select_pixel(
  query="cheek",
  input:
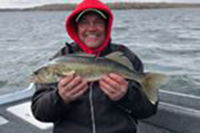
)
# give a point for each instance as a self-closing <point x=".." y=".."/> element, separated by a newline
<point x="80" y="31"/>
<point x="103" y="31"/>
<point x="101" y="28"/>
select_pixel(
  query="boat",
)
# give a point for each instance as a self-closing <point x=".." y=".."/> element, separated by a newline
<point x="177" y="113"/>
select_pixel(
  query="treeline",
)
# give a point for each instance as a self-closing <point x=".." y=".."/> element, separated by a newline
<point x="127" y="5"/>
<point x="123" y="5"/>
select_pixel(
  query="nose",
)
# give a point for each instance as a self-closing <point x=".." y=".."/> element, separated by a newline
<point x="91" y="26"/>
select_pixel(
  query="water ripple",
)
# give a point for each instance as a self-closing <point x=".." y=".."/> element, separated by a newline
<point x="3" y="83"/>
<point x="167" y="41"/>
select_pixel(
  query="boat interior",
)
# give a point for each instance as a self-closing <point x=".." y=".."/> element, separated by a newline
<point x="177" y="113"/>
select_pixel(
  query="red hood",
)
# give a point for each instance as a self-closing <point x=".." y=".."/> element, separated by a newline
<point x="71" y="24"/>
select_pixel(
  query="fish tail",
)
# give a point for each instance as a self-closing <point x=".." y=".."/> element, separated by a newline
<point x="151" y="84"/>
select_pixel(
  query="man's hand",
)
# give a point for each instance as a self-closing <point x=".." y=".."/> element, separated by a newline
<point x="114" y="86"/>
<point x="71" y="88"/>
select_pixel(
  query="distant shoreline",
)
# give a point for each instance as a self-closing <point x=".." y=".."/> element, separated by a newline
<point x="117" y="6"/>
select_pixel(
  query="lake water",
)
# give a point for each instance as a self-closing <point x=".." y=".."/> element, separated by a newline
<point x="166" y="40"/>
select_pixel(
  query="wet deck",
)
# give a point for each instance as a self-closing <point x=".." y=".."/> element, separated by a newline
<point x="177" y="114"/>
<point x="16" y="124"/>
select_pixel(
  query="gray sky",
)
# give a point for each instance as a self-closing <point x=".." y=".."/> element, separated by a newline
<point x="29" y="3"/>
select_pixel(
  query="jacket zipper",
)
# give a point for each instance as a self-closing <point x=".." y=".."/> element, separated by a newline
<point x="92" y="109"/>
<point x="132" y="121"/>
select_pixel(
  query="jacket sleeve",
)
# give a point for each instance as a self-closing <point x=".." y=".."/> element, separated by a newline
<point x="135" y="102"/>
<point x="46" y="105"/>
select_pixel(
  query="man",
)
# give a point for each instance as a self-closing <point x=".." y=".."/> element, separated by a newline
<point x="111" y="105"/>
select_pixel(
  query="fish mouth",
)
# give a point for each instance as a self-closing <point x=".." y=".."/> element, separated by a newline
<point x="33" y="78"/>
<point x="36" y="79"/>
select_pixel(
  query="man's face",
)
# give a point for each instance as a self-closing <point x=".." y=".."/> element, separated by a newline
<point x="92" y="30"/>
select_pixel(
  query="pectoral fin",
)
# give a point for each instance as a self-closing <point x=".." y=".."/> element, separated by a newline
<point x="60" y="75"/>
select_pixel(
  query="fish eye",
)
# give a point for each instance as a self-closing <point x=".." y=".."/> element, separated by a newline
<point x="36" y="73"/>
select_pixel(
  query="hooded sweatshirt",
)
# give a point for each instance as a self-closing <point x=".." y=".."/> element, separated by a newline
<point x="93" y="112"/>
<point x="71" y="24"/>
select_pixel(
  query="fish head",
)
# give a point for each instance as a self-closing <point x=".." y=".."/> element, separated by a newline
<point x="42" y="75"/>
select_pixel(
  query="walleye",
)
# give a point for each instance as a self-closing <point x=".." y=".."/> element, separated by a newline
<point x="91" y="68"/>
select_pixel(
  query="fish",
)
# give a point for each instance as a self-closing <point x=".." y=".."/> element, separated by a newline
<point x="94" y="68"/>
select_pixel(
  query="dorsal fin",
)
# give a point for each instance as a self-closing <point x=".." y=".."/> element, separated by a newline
<point x="120" y="58"/>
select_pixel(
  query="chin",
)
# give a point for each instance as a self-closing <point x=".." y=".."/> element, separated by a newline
<point x="93" y="45"/>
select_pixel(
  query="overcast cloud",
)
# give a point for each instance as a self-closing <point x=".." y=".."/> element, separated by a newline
<point x="28" y="3"/>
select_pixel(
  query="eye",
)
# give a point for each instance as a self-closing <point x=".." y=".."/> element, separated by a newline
<point x="99" y="22"/>
<point x="83" y="22"/>
<point x="36" y="73"/>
